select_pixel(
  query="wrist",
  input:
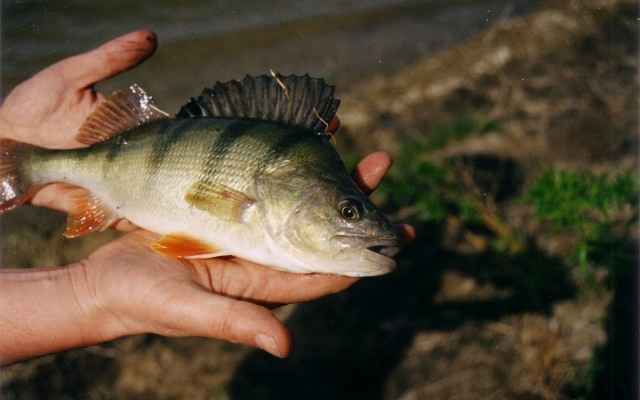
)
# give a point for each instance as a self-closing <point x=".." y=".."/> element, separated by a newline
<point x="61" y="313"/>
<point x="91" y="316"/>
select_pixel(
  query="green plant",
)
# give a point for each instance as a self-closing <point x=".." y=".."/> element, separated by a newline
<point x="597" y="207"/>
<point x="426" y="190"/>
<point x="440" y="136"/>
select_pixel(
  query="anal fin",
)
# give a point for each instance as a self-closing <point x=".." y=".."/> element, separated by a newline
<point x="179" y="245"/>
<point x="88" y="214"/>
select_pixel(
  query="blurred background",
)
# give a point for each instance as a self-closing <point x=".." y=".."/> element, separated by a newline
<point x="514" y="130"/>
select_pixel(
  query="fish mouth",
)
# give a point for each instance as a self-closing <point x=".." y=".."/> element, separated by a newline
<point x="363" y="257"/>
<point x="386" y="248"/>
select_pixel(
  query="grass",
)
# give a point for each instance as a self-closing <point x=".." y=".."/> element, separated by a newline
<point x="429" y="191"/>
<point x="600" y="210"/>
<point x="594" y="214"/>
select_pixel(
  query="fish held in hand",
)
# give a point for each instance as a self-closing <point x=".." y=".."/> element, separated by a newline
<point x="245" y="169"/>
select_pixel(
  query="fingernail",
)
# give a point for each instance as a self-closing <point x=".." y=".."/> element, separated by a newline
<point x="268" y="344"/>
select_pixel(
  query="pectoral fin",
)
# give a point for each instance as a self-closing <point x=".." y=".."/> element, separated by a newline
<point x="219" y="200"/>
<point x="88" y="214"/>
<point x="178" y="245"/>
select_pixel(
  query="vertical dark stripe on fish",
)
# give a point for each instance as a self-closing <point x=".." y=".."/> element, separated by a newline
<point x="286" y="138"/>
<point x="223" y="144"/>
<point x="114" y="148"/>
<point x="168" y="136"/>
<point x="287" y="141"/>
<point x="84" y="152"/>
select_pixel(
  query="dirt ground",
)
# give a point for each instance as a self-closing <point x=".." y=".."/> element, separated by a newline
<point x="453" y="322"/>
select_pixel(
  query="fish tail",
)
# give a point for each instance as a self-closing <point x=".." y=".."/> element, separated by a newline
<point x="15" y="185"/>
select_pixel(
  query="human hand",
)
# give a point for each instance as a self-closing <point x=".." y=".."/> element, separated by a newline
<point x="223" y="298"/>
<point x="48" y="109"/>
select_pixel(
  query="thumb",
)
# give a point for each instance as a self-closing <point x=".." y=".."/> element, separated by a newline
<point x="370" y="170"/>
<point x="110" y="59"/>
<point x="202" y="313"/>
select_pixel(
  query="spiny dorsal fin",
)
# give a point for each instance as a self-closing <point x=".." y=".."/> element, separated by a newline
<point x="296" y="100"/>
<point x="127" y="109"/>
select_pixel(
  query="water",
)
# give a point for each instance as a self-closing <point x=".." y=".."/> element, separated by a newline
<point x="35" y="33"/>
<point x="175" y="20"/>
<point x="218" y="40"/>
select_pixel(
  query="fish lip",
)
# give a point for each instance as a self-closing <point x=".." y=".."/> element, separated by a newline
<point x="385" y="247"/>
<point x="373" y="255"/>
<point x="380" y="252"/>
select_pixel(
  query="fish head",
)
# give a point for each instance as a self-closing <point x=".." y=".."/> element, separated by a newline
<point x="329" y="226"/>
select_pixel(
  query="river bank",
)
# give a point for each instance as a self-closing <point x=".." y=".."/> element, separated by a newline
<point x="561" y="84"/>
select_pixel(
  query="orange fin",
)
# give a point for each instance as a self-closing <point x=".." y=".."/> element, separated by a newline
<point x="179" y="245"/>
<point x="127" y="109"/>
<point x="88" y="214"/>
<point x="16" y="186"/>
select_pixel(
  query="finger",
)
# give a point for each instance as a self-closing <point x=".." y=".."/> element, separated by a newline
<point x="334" y="125"/>
<point x="208" y="315"/>
<point x="249" y="281"/>
<point x="110" y="59"/>
<point x="124" y="225"/>
<point x="55" y="196"/>
<point x="295" y="288"/>
<point x="370" y="170"/>
<point x="241" y="279"/>
<point x="406" y="232"/>
<point x="172" y="303"/>
<point x="58" y="195"/>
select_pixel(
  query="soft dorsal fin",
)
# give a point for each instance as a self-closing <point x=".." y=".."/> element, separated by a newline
<point x="296" y="100"/>
<point x="121" y="112"/>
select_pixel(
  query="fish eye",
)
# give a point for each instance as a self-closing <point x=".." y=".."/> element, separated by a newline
<point x="350" y="209"/>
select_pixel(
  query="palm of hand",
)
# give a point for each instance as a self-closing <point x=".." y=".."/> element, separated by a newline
<point x="48" y="124"/>
<point x="211" y="298"/>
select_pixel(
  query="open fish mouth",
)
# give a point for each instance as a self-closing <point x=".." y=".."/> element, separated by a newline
<point x="366" y="257"/>
<point x="387" y="248"/>
<point x="379" y="253"/>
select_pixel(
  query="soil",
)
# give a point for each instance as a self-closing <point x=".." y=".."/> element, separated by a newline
<point x="454" y="321"/>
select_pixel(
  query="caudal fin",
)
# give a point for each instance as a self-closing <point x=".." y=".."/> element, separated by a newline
<point x="15" y="186"/>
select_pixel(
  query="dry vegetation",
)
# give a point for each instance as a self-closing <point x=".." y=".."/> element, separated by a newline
<point x="456" y="321"/>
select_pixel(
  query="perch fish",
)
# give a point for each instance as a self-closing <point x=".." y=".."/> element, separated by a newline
<point x="245" y="169"/>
